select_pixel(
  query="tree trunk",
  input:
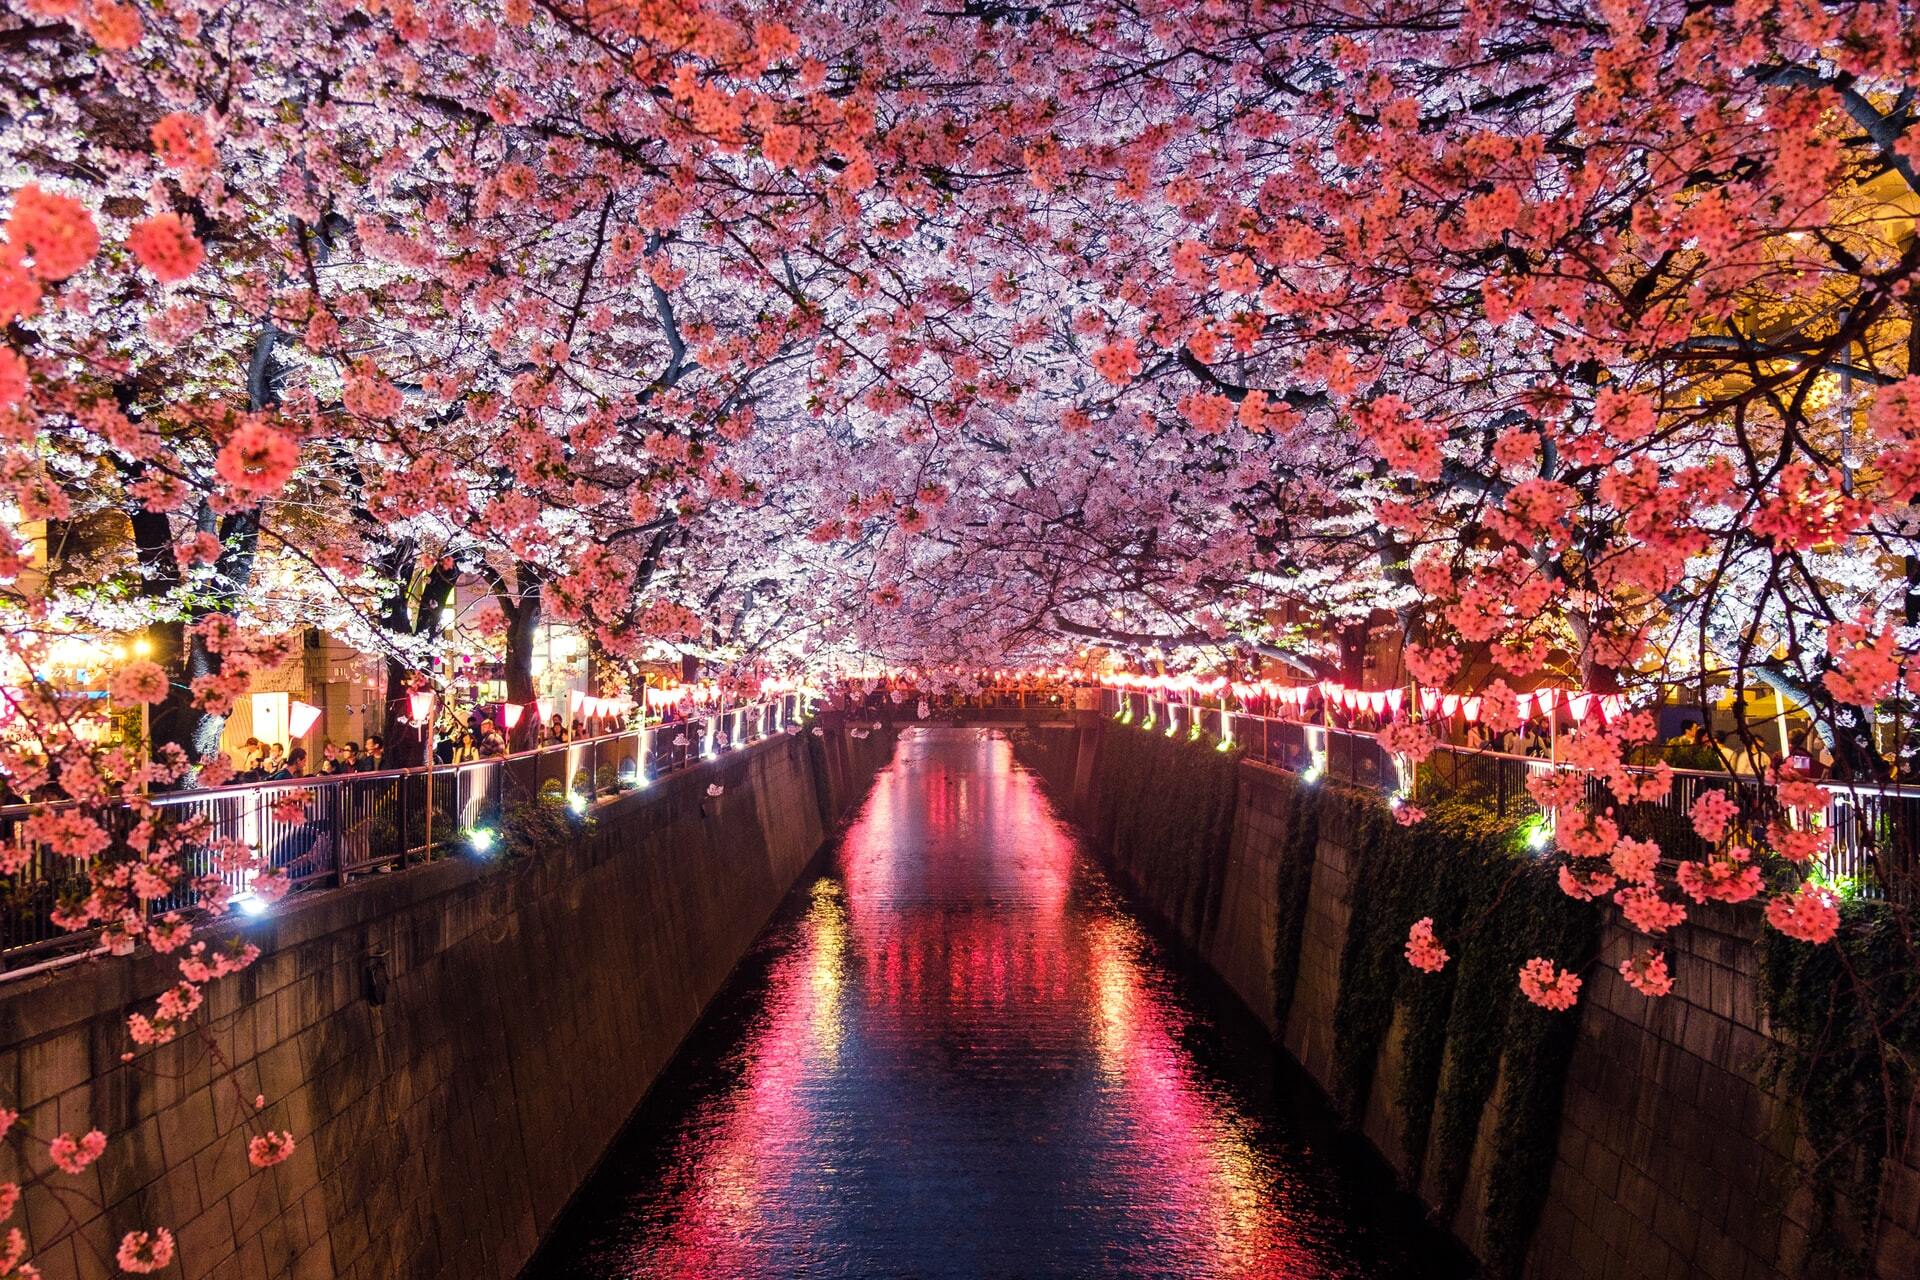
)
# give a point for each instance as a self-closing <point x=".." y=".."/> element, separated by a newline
<point x="406" y="743"/>
<point x="523" y="628"/>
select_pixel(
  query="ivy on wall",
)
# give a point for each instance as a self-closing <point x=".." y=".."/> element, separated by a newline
<point x="1846" y="1022"/>
<point x="1465" y="1031"/>
<point x="1293" y="884"/>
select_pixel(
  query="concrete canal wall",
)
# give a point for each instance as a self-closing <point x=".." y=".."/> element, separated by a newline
<point x="1664" y="1154"/>
<point x="453" y="1046"/>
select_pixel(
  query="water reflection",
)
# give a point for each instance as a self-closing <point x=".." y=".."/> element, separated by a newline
<point x="958" y="1055"/>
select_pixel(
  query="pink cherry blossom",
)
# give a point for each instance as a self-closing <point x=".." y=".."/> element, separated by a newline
<point x="1548" y="986"/>
<point x="1424" y="952"/>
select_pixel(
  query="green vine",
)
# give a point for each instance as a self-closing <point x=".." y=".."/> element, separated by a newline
<point x="1846" y="1021"/>
<point x="1466" y="1028"/>
<point x="1293" y="884"/>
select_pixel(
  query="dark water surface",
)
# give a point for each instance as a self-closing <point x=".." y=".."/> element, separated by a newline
<point x="957" y="1053"/>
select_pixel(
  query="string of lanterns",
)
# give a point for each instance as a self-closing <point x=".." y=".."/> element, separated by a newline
<point x="1433" y="702"/>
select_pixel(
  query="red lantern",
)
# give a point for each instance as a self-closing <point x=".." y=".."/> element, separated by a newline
<point x="1579" y="704"/>
<point x="510" y="713"/>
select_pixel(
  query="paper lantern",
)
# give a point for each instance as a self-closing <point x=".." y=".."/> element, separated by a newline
<point x="1470" y="708"/>
<point x="1429" y="700"/>
<point x="1547" y="698"/>
<point x="1611" y="705"/>
<point x="1449" y="703"/>
<point x="1523" y="704"/>
<point x="510" y="713"/>
<point x="420" y="705"/>
<point x="1393" y="699"/>
<point x="575" y="701"/>
<point x="1579" y="704"/>
<point x="300" y="717"/>
<point x="544" y="708"/>
<point x="1377" y="701"/>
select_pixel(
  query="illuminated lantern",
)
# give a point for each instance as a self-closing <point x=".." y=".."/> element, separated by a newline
<point x="1393" y="699"/>
<point x="420" y="705"/>
<point x="300" y="717"/>
<point x="1470" y="708"/>
<point x="575" y="701"/>
<point x="1579" y="704"/>
<point x="545" y="709"/>
<point x="1522" y="704"/>
<point x="1449" y="703"/>
<point x="1377" y="701"/>
<point x="1611" y="705"/>
<point x="510" y="713"/>
<point x="1547" y="698"/>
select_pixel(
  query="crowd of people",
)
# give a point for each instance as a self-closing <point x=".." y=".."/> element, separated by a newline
<point x="477" y="736"/>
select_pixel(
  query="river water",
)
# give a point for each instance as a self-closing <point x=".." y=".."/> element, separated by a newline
<point x="957" y="1053"/>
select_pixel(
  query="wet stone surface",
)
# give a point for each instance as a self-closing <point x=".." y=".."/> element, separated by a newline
<point x="956" y="1053"/>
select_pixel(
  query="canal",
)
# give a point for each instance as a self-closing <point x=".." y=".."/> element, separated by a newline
<point x="957" y="1053"/>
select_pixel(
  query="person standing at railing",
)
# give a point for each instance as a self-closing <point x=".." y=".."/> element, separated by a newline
<point x="492" y="743"/>
<point x="1741" y="757"/>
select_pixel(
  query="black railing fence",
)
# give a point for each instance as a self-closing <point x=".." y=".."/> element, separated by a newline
<point x="327" y="830"/>
<point x="1875" y="828"/>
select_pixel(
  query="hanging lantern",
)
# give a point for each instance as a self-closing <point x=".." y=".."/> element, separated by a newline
<point x="510" y="713"/>
<point x="1523" y="704"/>
<point x="1377" y="701"/>
<point x="1393" y="699"/>
<point x="575" y="701"/>
<point x="1449" y="703"/>
<point x="420" y="705"/>
<point x="1611" y="705"/>
<point x="301" y="717"/>
<point x="1470" y="708"/>
<point x="1547" y="698"/>
<point x="1579" y="704"/>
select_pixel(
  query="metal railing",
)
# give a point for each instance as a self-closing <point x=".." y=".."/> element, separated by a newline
<point x="1875" y="827"/>
<point x="326" y="830"/>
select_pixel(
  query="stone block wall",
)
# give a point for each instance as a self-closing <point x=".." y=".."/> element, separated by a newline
<point x="453" y="1046"/>
<point x="1675" y="1160"/>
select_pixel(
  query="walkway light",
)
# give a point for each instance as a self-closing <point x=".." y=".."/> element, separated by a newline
<point x="577" y="803"/>
<point x="482" y="840"/>
<point x="251" y="903"/>
<point x="1310" y="774"/>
